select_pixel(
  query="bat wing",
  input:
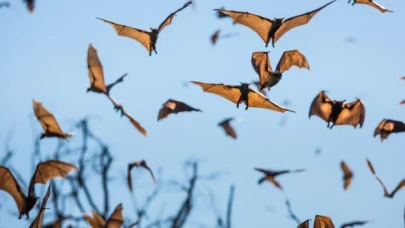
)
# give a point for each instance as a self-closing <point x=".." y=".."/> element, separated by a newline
<point x="231" y="93"/>
<point x="304" y="224"/>
<point x="10" y="185"/>
<point x="259" y="101"/>
<point x="375" y="5"/>
<point x="136" y="124"/>
<point x="383" y="125"/>
<point x="261" y="64"/>
<point x="139" y="35"/>
<point x="129" y="176"/>
<point x="37" y="223"/>
<point x="321" y="106"/>
<point x="46" y="119"/>
<point x="173" y="107"/>
<point x="228" y="128"/>
<point x="386" y="192"/>
<point x="345" y="168"/>
<point x="399" y="186"/>
<point x="146" y="166"/>
<point x="96" y="73"/>
<point x="214" y="37"/>
<point x="296" y="21"/>
<point x="352" y="114"/>
<point x="370" y="166"/>
<point x="347" y="175"/>
<point x="292" y="58"/>
<point x="96" y="221"/>
<point x="274" y="182"/>
<point x="259" y="24"/>
<point x="323" y="222"/>
<point x="116" y="220"/>
<point x="169" y="18"/>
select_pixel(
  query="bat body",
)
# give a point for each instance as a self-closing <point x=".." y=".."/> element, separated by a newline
<point x="347" y="175"/>
<point x="270" y="175"/>
<point x="30" y="5"/>
<point x="354" y="223"/>
<point x="269" y="78"/>
<point x="37" y="223"/>
<point x="337" y="112"/>
<point x="322" y="221"/>
<point x="44" y="172"/>
<point x="388" y="126"/>
<point x="141" y="163"/>
<point x="147" y="38"/>
<point x="228" y="128"/>
<point x="239" y="94"/>
<point x="270" y="29"/>
<point x="173" y="107"/>
<point x="216" y="35"/>
<point x="372" y="4"/>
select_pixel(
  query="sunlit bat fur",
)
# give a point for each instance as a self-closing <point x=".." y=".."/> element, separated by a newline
<point x="388" y="126"/>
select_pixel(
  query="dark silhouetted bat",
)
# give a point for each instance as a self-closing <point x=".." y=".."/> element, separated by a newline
<point x="290" y="212"/>
<point x="347" y="175"/>
<point x="262" y="91"/>
<point x="372" y="4"/>
<point x="48" y="122"/>
<point x="44" y="172"/>
<point x="37" y="223"/>
<point x="239" y="94"/>
<point x="270" y="175"/>
<point x="96" y="73"/>
<point x="322" y="221"/>
<point x="370" y="166"/>
<point x="119" y="107"/>
<point x="354" y="223"/>
<point x="228" y="128"/>
<point x="305" y="224"/>
<point x="114" y="221"/>
<point x="337" y="112"/>
<point x="147" y="39"/>
<point x="141" y="163"/>
<point x="5" y="4"/>
<point x="215" y="36"/>
<point x="30" y="5"/>
<point x="221" y="15"/>
<point x="270" y="29"/>
<point x="388" y="126"/>
<point x="173" y="107"/>
<point x="268" y="78"/>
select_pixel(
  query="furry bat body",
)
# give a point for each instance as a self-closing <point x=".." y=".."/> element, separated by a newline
<point x="347" y="175"/>
<point x="372" y="4"/>
<point x="268" y="78"/>
<point x="270" y="175"/>
<point x="37" y="223"/>
<point x="228" y="128"/>
<point x="388" y="126"/>
<point x="147" y="39"/>
<point x="270" y="29"/>
<point x="239" y="94"/>
<point x="115" y="220"/>
<point x="337" y="112"/>
<point x="173" y="107"/>
<point x="141" y="163"/>
<point x="44" y="172"/>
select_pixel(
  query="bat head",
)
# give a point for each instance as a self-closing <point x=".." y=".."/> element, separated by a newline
<point x="341" y="103"/>
<point x="279" y="21"/>
<point x="153" y="30"/>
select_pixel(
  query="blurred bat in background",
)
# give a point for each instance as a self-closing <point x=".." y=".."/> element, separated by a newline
<point x="372" y="4"/>
<point x="173" y="107"/>
<point x="30" y="5"/>
<point x="347" y="175"/>
<point x="141" y="163"/>
<point x="270" y="175"/>
<point x="228" y="128"/>
<point x="114" y="221"/>
<point x="388" y="126"/>
<point x="216" y="35"/>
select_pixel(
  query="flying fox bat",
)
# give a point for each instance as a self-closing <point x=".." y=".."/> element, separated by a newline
<point x="270" y="175"/>
<point x="239" y="94"/>
<point x="124" y="112"/>
<point x="215" y="36"/>
<point x="322" y="221"/>
<point x="5" y="4"/>
<point x="37" y="223"/>
<point x="173" y="107"/>
<point x="141" y="163"/>
<point x="96" y="73"/>
<point x="30" y="5"/>
<point x="304" y="224"/>
<point x="292" y="215"/>
<point x="147" y="39"/>
<point x="114" y="221"/>
<point x="388" y="126"/>
<point x="262" y="91"/>
<point x="44" y="172"/>
<point x="354" y="223"/>
<point x="268" y="78"/>
<point x="48" y="122"/>
<point x="270" y="29"/>
<point x="228" y="128"/>
<point x="347" y="174"/>
<point x="372" y="4"/>
<point x="337" y="112"/>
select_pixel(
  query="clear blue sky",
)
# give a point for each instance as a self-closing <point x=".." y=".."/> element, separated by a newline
<point x="43" y="56"/>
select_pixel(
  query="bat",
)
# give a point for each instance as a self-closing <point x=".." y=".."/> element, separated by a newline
<point x="215" y="36"/>
<point x="370" y="166"/>
<point x="141" y="163"/>
<point x="44" y="172"/>
<point x="221" y="15"/>
<point x="347" y="175"/>
<point x="354" y="223"/>
<point x="388" y="126"/>
<point x="242" y="93"/>
<point x="305" y="224"/>
<point x="372" y="4"/>
<point x="173" y="107"/>
<point x="96" y="74"/>
<point x="228" y="128"/>
<point x="114" y="221"/>
<point x="5" y="4"/>
<point x="323" y="222"/>
<point x="124" y="112"/>
<point x="48" y="122"/>
<point x="37" y="223"/>
<point x="270" y="175"/>
<point x="337" y="112"/>
<point x="268" y="78"/>
<point x="147" y="39"/>
<point x="270" y="29"/>
<point x="292" y="215"/>
<point x="30" y="5"/>
<point x="262" y="91"/>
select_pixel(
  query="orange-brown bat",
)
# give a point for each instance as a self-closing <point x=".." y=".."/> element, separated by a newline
<point x="270" y="29"/>
<point x="268" y="78"/>
<point x="48" y="122"/>
<point x="347" y="175"/>
<point x="262" y="91"/>
<point x="96" y="73"/>
<point x="337" y="112"/>
<point x="30" y="5"/>
<point x="322" y="221"/>
<point x="215" y="36"/>
<point x="37" y="223"/>
<point x="114" y="221"/>
<point x="388" y="126"/>
<point x="44" y="172"/>
<point x="354" y="223"/>
<point x="239" y="94"/>
<point x="228" y="128"/>
<point x="147" y="39"/>
<point x="173" y="107"/>
<point x="141" y="163"/>
<point x="270" y="175"/>
<point x="372" y="4"/>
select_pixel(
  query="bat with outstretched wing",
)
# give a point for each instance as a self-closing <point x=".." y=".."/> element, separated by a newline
<point x="228" y="128"/>
<point x="337" y="112"/>
<point x="268" y="78"/>
<point x="270" y="29"/>
<point x="37" y="223"/>
<point x="239" y="94"/>
<point x="354" y="223"/>
<point x="48" y="122"/>
<point x="147" y="39"/>
<point x="44" y="172"/>
<point x="347" y="175"/>
<point x="270" y="175"/>
<point x="370" y="166"/>
<point x="141" y="163"/>
<point x="388" y="126"/>
<point x="173" y="107"/>
<point x="216" y="35"/>
<point x="372" y="4"/>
